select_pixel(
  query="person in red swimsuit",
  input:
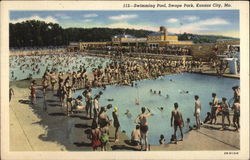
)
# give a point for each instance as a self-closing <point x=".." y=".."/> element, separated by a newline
<point x="178" y="120"/>
<point x="95" y="137"/>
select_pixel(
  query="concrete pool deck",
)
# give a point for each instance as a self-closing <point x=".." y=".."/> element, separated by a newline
<point x="35" y="128"/>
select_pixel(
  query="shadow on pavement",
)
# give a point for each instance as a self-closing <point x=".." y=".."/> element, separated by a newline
<point x="123" y="147"/>
<point x="24" y="101"/>
<point x="82" y="144"/>
<point x="57" y="114"/>
<point x="82" y="125"/>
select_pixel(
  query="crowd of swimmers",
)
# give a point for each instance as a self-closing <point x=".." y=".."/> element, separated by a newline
<point x="123" y="72"/>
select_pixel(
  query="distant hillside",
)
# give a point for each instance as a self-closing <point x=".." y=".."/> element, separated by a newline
<point x="39" y="34"/>
<point x="202" y="38"/>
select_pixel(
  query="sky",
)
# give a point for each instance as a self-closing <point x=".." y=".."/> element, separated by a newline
<point x="209" y="22"/>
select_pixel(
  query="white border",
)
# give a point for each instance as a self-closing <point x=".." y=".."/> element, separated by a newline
<point x="6" y="6"/>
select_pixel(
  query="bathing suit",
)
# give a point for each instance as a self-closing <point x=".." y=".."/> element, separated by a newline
<point x="102" y="122"/>
<point x="45" y="86"/>
<point x="53" y="81"/>
<point x="178" y="123"/>
<point x="95" y="140"/>
<point x="144" y="128"/>
<point x="116" y="121"/>
<point x="33" y="91"/>
<point x="104" y="138"/>
<point x="198" y="111"/>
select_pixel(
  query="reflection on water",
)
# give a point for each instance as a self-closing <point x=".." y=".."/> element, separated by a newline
<point x="173" y="85"/>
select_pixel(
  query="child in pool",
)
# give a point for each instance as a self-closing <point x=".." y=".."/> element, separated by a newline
<point x="173" y="140"/>
<point x="162" y="140"/>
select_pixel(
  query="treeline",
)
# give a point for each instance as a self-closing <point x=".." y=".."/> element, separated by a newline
<point x="35" y="33"/>
<point x="201" y="38"/>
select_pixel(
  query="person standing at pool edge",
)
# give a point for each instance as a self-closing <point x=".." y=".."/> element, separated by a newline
<point x="178" y="121"/>
<point x="116" y="123"/>
<point x="142" y="120"/>
<point x="197" y="111"/>
<point x="33" y="92"/>
<point x="225" y="112"/>
<point x="214" y="106"/>
<point x="11" y="93"/>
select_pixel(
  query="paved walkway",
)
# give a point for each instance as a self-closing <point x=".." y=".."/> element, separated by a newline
<point x="209" y="137"/>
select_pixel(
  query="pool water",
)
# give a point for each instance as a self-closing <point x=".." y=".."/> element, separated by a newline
<point x="124" y="98"/>
<point x="68" y="64"/>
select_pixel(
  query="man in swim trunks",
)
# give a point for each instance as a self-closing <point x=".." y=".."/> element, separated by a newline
<point x="178" y="121"/>
<point x="214" y="106"/>
<point x="236" y="116"/>
<point x="225" y="112"/>
<point x="33" y="92"/>
<point x="142" y="121"/>
<point x="197" y="111"/>
<point x="11" y="93"/>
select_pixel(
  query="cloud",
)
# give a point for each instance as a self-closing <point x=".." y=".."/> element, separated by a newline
<point x="91" y="15"/>
<point x="123" y="17"/>
<point x="87" y="20"/>
<point x="48" y="19"/>
<point x="200" y="26"/>
<point x="132" y="26"/>
<point x="62" y="16"/>
<point x="65" y="17"/>
<point x="212" y="21"/>
<point x="190" y="18"/>
<point x="172" y="20"/>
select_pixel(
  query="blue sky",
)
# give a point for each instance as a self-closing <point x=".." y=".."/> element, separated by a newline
<point x="214" y="22"/>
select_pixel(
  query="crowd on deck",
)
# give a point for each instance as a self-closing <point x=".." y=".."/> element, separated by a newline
<point x="37" y="50"/>
<point x="167" y="50"/>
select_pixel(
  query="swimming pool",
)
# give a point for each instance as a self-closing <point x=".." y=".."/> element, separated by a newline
<point x="124" y="98"/>
<point x="21" y="66"/>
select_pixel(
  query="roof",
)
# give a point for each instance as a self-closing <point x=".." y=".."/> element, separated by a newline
<point x="156" y="33"/>
<point x="160" y="33"/>
<point x="123" y="36"/>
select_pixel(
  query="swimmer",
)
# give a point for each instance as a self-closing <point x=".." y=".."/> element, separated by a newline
<point x="173" y="139"/>
<point x="159" y="92"/>
<point x="137" y="101"/>
<point x="162" y="140"/>
<point x="104" y="87"/>
<point x="128" y="114"/>
<point x="154" y="92"/>
<point x="184" y="92"/>
<point x="167" y="96"/>
<point x="161" y="108"/>
<point x="151" y="91"/>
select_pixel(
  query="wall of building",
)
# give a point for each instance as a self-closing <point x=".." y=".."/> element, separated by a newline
<point x="171" y="38"/>
<point x="156" y="38"/>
